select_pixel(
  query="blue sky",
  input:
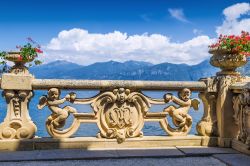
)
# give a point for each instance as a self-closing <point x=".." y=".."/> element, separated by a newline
<point x="174" y="21"/>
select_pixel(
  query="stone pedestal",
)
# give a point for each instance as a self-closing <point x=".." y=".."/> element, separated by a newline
<point x="17" y="91"/>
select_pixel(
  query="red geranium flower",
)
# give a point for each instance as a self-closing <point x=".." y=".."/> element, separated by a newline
<point x="237" y="44"/>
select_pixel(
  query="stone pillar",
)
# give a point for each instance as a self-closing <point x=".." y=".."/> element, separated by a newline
<point x="17" y="91"/>
<point x="218" y="109"/>
<point x="227" y="129"/>
<point x="228" y="62"/>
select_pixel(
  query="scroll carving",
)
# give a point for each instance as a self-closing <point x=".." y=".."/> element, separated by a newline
<point x="241" y="105"/>
<point x="17" y="123"/>
<point x="120" y="113"/>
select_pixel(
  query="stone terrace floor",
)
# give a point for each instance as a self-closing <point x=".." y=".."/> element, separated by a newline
<point x="183" y="156"/>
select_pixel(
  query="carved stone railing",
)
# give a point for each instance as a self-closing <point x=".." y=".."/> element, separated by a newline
<point x="120" y="109"/>
<point x="241" y="116"/>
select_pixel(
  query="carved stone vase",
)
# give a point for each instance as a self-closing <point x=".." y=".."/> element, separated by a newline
<point x="227" y="61"/>
<point x="17" y="91"/>
<point x="19" y="66"/>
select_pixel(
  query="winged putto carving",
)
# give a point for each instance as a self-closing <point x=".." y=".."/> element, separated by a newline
<point x="53" y="101"/>
<point x="179" y="113"/>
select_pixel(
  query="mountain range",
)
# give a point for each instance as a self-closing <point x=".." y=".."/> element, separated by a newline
<point x="129" y="70"/>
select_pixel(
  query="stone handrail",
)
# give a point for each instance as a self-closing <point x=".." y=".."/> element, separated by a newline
<point x="239" y="86"/>
<point x="111" y="84"/>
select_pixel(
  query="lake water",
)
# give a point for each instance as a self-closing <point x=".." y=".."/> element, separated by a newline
<point x="150" y="128"/>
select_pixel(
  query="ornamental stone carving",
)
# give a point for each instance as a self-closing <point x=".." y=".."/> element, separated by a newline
<point x="17" y="92"/>
<point x="120" y="113"/>
<point x="227" y="61"/>
<point x="17" y="123"/>
<point x="179" y="114"/>
<point x="59" y="115"/>
<point x="241" y="105"/>
<point x="207" y="126"/>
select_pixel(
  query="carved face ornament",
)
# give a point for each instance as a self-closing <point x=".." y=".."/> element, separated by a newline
<point x="121" y="94"/>
<point x="16" y="106"/>
<point x="185" y="94"/>
<point x="53" y="94"/>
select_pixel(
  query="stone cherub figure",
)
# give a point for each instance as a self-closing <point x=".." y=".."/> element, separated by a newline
<point x="180" y="113"/>
<point x="52" y="100"/>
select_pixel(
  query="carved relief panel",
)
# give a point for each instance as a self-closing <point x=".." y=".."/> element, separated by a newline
<point x="17" y="123"/>
<point x="119" y="113"/>
<point x="241" y="105"/>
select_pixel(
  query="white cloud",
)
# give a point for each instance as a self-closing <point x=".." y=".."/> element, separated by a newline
<point x="235" y="11"/>
<point x="178" y="14"/>
<point x="82" y="47"/>
<point x="237" y="18"/>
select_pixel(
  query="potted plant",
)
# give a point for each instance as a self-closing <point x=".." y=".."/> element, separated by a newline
<point x="230" y="52"/>
<point x="27" y="53"/>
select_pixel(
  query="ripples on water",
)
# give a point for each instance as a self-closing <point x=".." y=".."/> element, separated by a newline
<point x="39" y="116"/>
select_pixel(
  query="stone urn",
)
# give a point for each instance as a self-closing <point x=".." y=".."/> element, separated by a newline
<point x="227" y="61"/>
<point x="19" y="67"/>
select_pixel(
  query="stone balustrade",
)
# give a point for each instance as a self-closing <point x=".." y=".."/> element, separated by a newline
<point x="120" y="109"/>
